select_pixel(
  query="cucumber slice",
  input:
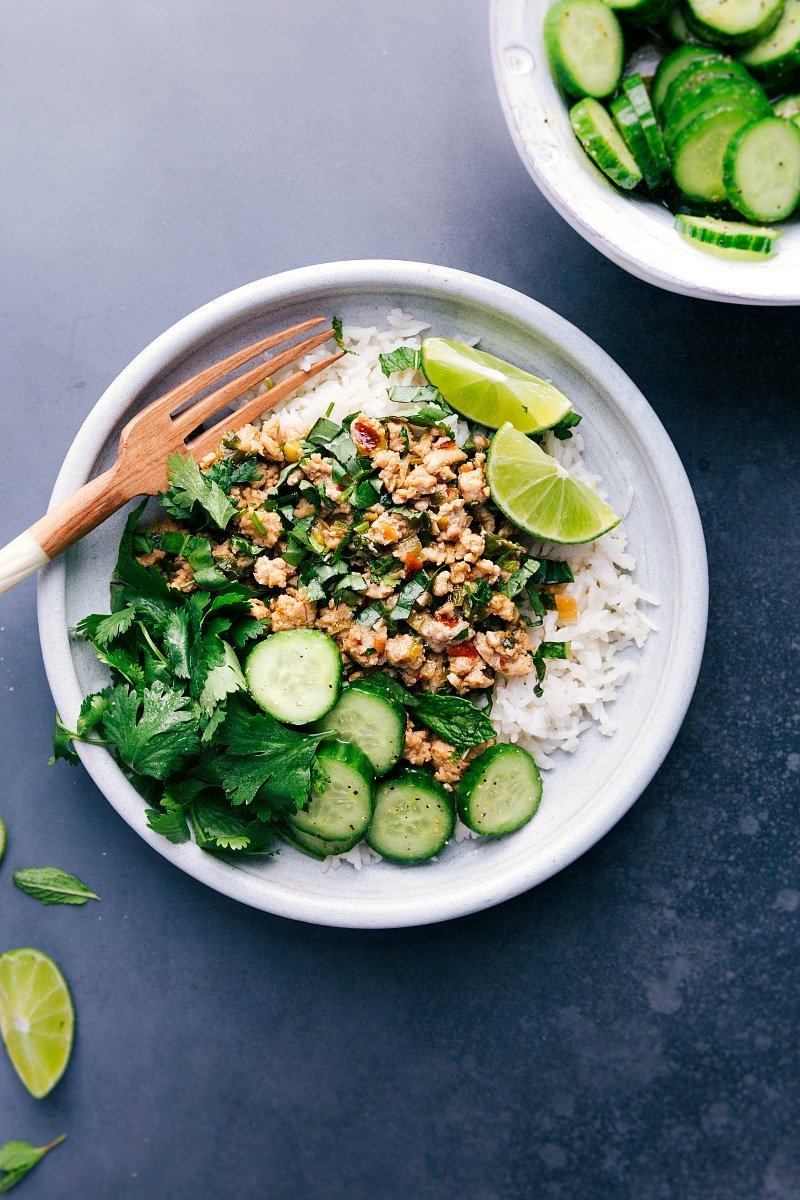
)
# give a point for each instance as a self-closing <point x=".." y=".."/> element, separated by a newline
<point x="641" y="12"/>
<point x="634" y="88"/>
<point x="762" y="169"/>
<point x="370" y="721"/>
<point x="699" y="150"/>
<point x="788" y="108"/>
<point x="414" y="817"/>
<point x="295" y="675"/>
<point x="721" y="71"/>
<point x="603" y="143"/>
<point x="734" y="22"/>
<point x="776" y="57"/>
<point x="635" y="139"/>
<point x="340" y="806"/>
<point x="500" y="791"/>
<point x="713" y="97"/>
<point x="675" y="64"/>
<point x="729" y="239"/>
<point x="314" y="846"/>
<point x="677" y="27"/>
<point x="585" y="47"/>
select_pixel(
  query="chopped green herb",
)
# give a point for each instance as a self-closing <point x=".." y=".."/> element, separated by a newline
<point x="188" y="486"/>
<point x="401" y="359"/>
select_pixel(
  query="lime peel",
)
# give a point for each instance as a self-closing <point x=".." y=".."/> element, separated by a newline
<point x="539" y="495"/>
<point x="490" y="391"/>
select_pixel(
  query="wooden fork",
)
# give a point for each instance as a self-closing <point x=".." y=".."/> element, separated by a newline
<point x="168" y="424"/>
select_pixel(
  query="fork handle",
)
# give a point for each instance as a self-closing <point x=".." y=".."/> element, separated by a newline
<point x="62" y="526"/>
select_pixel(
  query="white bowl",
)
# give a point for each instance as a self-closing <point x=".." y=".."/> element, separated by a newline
<point x="636" y="234"/>
<point x="590" y="790"/>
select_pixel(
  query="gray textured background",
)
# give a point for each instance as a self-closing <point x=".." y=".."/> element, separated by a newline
<point x="624" y="1031"/>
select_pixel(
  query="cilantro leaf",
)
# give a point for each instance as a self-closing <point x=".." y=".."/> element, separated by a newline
<point x="189" y="486"/>
<point x="401" y="359"/>
<point x="563" y="430"/>
<point x="216" y="828"/>
<point x="100" y="630"/>
<point x="90" y="714"/>
<point x="226" y="472"/>
<point x="170" y="821"/>
<point x="221" y="679"/>
<point x="265" y="760"/>
<point x="146" y="582"/>
<point x="153" y="732"/>
<point x="18" y="1158"/>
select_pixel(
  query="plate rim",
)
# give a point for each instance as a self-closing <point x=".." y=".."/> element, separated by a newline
<point x="231" y="308"/>
<point x="566" y="201"/>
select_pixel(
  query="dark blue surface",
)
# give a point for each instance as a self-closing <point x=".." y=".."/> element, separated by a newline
<point x="626" y="1031"/>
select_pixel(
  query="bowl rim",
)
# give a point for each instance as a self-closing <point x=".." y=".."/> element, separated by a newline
<point x="574" y="195"/>
<point x="234" y="307"/>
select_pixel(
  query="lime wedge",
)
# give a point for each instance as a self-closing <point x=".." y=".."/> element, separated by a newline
<point x="2" y="838"/>
<point x="36" y="1018"/>
<point x="539" y="495"/>
<point x="490" y="391"/>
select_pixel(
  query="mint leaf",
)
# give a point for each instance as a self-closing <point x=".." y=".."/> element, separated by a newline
<point x="452" y="718"/>
<point x="336" y="325"/>
<point x="153" y="732"/>
<point x="189" y="486"/>
<point x="18" y="1158"/>
<point x="49" y="885"/>
<point x="401" y="359"/>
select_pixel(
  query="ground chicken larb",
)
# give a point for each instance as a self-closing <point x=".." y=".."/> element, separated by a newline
<point x="381" y="533"/>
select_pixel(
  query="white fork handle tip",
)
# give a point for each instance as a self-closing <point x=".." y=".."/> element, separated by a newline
<point x="19" y="559"/>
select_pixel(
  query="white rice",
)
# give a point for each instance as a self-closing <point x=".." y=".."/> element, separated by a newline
<point x="576" y="692"/>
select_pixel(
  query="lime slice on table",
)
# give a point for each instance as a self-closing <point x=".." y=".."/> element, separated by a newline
<point x="2" y="838"/>
<point x="539" y="495"/>
<point x="37" y="1019"/>
<point x="487" y="390"/>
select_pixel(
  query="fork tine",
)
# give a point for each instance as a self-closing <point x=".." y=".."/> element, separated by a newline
<point x="196" y="413"/>
<point x="210" y="439"/>
<point x="198" y="383"/>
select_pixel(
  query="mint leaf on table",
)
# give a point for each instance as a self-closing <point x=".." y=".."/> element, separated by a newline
<point x="49" y="885"/>
<point x="401" y="359"/>
<point x="265" y="761"/>
<point x="18" y="1158"/>
<point x="153" y="732"/>
<point x="189" y="486"/>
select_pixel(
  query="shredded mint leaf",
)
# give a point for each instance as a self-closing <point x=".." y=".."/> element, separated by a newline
<point x="153" y="732"/>
<point x="49" y="885"/>
<point x="401" y="359"/>
<point x="336" y="325"/>
<point x="553" y="570"/>
<point x="408" y="595"/>
<point x="18" y="1158"/>
<point x="189" y="486"/>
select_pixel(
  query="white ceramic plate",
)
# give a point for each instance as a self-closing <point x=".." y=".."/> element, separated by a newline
<point x="634" y="233"/>
<point x="590" y="790"/>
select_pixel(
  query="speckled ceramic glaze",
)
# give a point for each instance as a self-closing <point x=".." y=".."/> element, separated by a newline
<point x="633" y="232"/>
<point x="625" y="442"/>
